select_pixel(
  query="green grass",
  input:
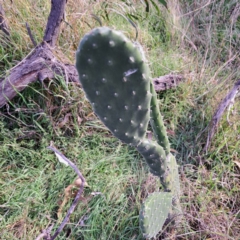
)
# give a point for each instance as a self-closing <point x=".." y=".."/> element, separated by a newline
<point x="32" y="181"/>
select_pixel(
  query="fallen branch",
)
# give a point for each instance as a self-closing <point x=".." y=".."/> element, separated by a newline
<point x="226" y="102"/>
<point x="40" y="63"/>
<point x="46" y="233"/>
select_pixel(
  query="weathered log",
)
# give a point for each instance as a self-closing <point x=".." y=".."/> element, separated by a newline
<point x="40" y="64"/>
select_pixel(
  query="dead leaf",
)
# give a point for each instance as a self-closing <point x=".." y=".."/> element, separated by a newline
<point x="96" y="193"/>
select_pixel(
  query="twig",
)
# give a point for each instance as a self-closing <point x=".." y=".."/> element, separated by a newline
<point x="76" y="200"/>
<point x="30" y="35"/>
<point x="229" y="99"/>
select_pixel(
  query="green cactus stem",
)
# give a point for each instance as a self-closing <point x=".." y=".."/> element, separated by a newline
<point x="157" y="124"/>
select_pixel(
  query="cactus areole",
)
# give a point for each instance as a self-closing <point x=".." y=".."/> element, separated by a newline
<point x="116" y="81"/>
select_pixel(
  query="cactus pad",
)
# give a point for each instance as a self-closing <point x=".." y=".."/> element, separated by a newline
<point x="116" y="81"/>
<point x="154" y="213"/>
<point x="156" y="159"/>
<point x="174" y="180"/>
<point x="173" y="176"/>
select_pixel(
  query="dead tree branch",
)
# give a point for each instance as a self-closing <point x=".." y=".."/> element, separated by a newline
<point x="54" y="21"/>
<point x="40" y="63"/>
<point x="30" y="35"/>
<point x="226" y="102"/>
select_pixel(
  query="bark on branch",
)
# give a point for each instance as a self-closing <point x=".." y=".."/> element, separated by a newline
<point x="40" y="64"/>
<point x="54" y="21"/>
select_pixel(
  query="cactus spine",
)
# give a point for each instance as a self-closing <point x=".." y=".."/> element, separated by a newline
<point x="117" y="83"/>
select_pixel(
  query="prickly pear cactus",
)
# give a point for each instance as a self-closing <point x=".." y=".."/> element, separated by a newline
<point x="154" y="213"/>
<point x="116" y="81"/>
